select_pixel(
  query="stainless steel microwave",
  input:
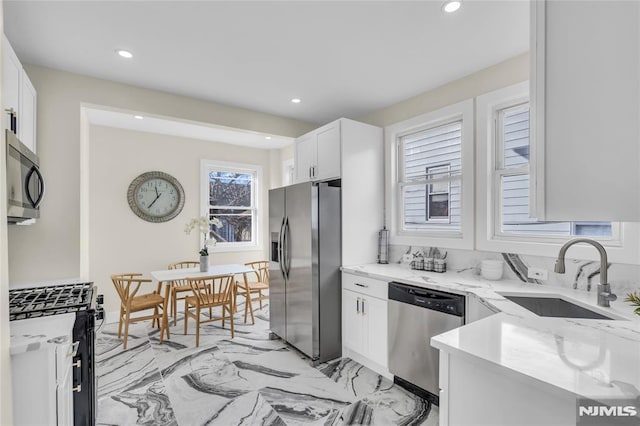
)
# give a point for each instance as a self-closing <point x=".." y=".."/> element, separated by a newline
<point x="25" y="184"/>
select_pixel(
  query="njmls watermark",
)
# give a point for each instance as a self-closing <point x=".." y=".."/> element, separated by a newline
<point x="608" y="412"/>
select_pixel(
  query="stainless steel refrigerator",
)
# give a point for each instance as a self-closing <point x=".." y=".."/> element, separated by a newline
<point x="304" y="268"/>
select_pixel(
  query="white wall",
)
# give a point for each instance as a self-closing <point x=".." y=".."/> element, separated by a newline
<point x="6" y="401"/>
<point x="119" y="241"/>
<point x="503" y="74"/>
<point x="50" y="249"/>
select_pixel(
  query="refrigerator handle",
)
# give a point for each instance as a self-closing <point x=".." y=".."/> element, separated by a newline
<point x="287" y="247"/>
<point x="281" y="250"/>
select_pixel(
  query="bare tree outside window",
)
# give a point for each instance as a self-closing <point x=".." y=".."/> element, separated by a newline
<point x="231" y="201"/>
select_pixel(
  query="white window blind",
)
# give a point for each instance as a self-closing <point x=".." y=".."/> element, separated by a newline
<point x="430" y="178"/>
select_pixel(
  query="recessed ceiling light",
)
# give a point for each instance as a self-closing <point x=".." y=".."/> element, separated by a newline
<point x="451" y="6"/>
<point x="267" y="137"/>
<point x="296" y="100"/>
<point x="138" y="117"/>
<point x="124" y="53"/>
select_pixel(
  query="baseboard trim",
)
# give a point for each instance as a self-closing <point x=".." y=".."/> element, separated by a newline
<point x="360" y="359"/>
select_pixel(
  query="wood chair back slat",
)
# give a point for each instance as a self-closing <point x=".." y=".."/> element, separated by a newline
<point x="214" y="290"/>
<point x="261" y="270"/>
<point x="183" y="265"/>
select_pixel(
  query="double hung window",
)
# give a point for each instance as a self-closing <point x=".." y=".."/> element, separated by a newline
<point x="432" y="177"/>
<point x="230" y="194"/>
<point x="431" y="162"/>
<point x="503" y="220"/>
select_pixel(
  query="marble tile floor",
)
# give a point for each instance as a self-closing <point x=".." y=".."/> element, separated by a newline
<point x="248" y="380"/>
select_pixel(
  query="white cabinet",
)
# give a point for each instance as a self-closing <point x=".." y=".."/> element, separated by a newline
<point x="305" y="157"/>
<point x="318" y="154"/>
<point x="364" y="321"/>
<point x="352" y="333"/>
<point x="11" y="76"/>
<point x="327" y="152"/>
<point x="19" y="96"/>
<point x="353" y="152"/>
<point x="42" y="351"/>
<point x="27" y="113"/>
<point x="585" y="104"/>
<point x="476" y="392"/>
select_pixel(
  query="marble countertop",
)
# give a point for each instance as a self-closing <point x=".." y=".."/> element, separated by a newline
<point x="593" y="358"/>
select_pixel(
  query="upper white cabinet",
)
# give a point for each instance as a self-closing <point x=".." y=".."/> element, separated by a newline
<point x="318" y="154"/>
<point x="305" y="157"/>
<point x="27" y="114"/>
<point x="18" y="96"/>
<point x="353" y="152"/>
<point x="585" y="113"/>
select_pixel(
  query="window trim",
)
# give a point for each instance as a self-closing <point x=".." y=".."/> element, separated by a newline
<point x="620" y="246"/>
<point x="462" y="239"/>
<point x="256" y="193"/>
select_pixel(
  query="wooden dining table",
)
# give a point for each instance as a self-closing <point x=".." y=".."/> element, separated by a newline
<point x="165" y="277"/>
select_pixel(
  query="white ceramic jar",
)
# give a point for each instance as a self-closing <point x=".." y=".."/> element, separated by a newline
<point x="492" y="269"/>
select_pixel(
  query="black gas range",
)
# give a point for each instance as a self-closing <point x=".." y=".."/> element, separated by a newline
<point x="81" y="299"/>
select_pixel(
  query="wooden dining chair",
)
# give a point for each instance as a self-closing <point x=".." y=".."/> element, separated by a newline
<point x="179" y="286"/>
<point x="209" y="292"/>
<point x="127" y="286"/>
<point x="254" y="282"/>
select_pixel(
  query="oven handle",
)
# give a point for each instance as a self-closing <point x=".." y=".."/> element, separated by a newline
<point x="74" y="349"/>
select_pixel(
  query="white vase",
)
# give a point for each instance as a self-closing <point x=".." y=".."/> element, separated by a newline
<point x="204" y="263"/>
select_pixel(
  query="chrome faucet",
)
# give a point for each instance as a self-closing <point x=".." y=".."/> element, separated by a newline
<point x="604" y="288"/>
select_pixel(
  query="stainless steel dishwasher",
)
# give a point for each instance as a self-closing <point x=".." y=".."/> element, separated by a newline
<point x="415" y="315"/>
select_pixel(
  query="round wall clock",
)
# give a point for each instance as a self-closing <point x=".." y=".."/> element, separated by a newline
<point x="156" y="197"/>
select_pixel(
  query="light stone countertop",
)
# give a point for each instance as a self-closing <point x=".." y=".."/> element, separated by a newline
<point x="593" y="358"/>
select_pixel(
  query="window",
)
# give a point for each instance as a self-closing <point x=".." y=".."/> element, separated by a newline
<point x="503" y="222"/>
<point x="512" y="177"/>
<point x="429" y="195"/>
<point x="438" y="194"/>
<point x="230" y="194"/>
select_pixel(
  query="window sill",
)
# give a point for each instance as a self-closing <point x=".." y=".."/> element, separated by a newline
<point x="454" y="240"/>
<point x="623" y="250"/>
<point x="240" y="247"/>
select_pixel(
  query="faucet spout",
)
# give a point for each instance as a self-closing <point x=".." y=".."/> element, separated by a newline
<point x="604" y="288"/>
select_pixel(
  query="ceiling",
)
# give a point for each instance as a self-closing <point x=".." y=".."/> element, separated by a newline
<point x="165" y="126"/>
<point x="342" y="58"/>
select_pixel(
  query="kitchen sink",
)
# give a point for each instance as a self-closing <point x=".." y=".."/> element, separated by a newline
<point x="549" y="306"/>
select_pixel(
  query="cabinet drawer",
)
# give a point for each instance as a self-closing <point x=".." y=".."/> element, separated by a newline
<point x="365" y="285"/>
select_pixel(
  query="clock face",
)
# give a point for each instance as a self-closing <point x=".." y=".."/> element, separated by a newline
<point x="156" y="197"/>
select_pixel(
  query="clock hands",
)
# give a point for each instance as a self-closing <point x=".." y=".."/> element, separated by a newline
<point x="157" y="196"/>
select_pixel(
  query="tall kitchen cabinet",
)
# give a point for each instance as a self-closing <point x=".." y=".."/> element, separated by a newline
<point x="353" y="152"/>
<point x="18" y="97"/>
<point x="585" y="110"/>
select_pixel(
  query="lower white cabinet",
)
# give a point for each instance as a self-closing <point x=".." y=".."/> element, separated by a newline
<point x="364" y="321"/>
<point x="42" y="368"/>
